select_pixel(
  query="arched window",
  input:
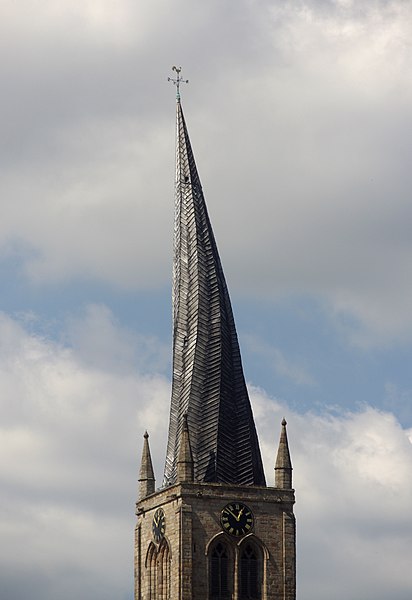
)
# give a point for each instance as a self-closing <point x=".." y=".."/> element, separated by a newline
<point x="250" y="579"/>
<point x="219" y="573"/>
<point x="158" y="565"/>
<point x="163" y="572"/>
<point x="151" y="563"/>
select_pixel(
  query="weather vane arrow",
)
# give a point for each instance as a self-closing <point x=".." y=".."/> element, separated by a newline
<point x="177" y="80"/>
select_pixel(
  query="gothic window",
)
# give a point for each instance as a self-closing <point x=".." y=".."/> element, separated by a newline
<point x="158" y="564"/>
<point x="163" y="572"/>
<point x="250" y="574"/>
<point x="219" y="573"/>
<point x="152" y="574"/>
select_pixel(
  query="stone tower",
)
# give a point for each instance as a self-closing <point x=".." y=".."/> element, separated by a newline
<point x="214" y="531"/>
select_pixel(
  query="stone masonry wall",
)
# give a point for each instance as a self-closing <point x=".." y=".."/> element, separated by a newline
<point x="192" y="513"/>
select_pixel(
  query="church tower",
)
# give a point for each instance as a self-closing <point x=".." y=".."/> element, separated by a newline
<point x="214" y="530"/>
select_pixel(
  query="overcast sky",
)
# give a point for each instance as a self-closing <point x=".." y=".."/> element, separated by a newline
<point x="300" y="116"/>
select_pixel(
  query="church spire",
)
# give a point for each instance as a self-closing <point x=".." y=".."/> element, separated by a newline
<point x="146" y="476"/>
<point x="208" y="381"/>
<point x="283" y="465"/>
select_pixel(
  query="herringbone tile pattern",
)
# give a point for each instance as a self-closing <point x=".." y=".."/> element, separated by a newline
<point x="208" y="381"/>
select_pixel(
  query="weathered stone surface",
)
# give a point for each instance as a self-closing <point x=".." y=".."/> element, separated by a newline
<point x="192" y="513"/>
<point x="146" y="476"/>
<point x="283" y="464"/>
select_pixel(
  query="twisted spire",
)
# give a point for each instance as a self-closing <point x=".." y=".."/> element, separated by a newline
<point x="208" y="381"/>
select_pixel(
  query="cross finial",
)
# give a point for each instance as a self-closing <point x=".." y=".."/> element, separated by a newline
<point x="177" y="81"/>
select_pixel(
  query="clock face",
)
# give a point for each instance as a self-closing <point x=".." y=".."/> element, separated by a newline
<point x="159" y="525"/>
<point x="237" y="519"/>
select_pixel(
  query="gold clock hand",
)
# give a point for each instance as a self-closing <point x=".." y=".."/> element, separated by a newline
<point x="233" y="514"/>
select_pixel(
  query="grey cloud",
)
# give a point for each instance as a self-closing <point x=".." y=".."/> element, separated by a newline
<point x="299" y="117"/>
<point x="70" y="457"/>
<point x="68" y="470"/>
<point x="274" y="358"/>
<point x="351" y="475"/>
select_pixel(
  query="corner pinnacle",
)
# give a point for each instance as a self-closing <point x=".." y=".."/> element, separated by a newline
<point x="283" y="465"/>
<point x="185" y="458"/>
<point x="146" y="476"/>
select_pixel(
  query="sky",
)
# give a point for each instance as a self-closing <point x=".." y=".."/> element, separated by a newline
<point x="300" y="118"/>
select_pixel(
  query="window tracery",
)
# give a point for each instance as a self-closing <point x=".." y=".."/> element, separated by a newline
<point x="220" y="588"/>
<point x="250" y="575"/>
<point x="158" y="565"/>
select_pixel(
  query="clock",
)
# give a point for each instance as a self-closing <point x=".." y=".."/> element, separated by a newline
<point x="237" y="519"/>
<point x="159" y="525"/>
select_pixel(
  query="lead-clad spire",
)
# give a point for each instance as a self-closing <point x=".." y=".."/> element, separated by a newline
<point x="208" y="381"/>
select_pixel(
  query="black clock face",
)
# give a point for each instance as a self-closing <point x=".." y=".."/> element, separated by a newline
<point x="158" y="525"/>
<point x="237" y="519"/>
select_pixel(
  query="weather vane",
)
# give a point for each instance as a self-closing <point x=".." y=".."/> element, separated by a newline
<point x="178" y="80"/>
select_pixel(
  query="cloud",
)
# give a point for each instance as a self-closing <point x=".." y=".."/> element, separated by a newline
<point x="71" y="441"/>
<point x="70" y="437"/>
<point x="322" y="205"/>
<point x="100" y="341"/>
<point x="274" y="358"/>
<point x="353" y="491"/>
<point x="298" y="115"/>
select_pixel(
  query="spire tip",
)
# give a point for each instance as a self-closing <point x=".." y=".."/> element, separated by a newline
<point x="177" y="81"/>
